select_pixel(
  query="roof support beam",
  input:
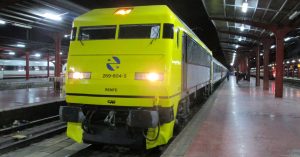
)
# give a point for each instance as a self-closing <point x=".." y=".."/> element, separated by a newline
<point x="248" y="22"/>
<point x="236" y="43"/>
<point x="247" y="35"/>
<point x="269" y="27"/>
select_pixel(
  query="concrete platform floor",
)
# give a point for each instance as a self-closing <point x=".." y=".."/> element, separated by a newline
<point x="12" y="99"/>
<point x="243" y="121"/>
<point x="24" y="80"/>
<point x="8" y="84"/>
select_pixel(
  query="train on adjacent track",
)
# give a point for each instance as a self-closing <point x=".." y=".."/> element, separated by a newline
<point x="16" y="69"/>
<point x="272" y="72"/>
<point x="132" y="76"/>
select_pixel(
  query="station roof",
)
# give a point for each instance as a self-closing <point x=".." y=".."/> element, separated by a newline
<point x="239" y="26"/>
<point x="218" y="23"/>
<point x="26" y="22"/>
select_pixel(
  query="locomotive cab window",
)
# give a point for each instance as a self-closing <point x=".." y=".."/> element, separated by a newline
<point x="73" y="33"/>
<point x="97" y="33"/>
<point x="142" y="31"/>
<point x="168" y="31"/>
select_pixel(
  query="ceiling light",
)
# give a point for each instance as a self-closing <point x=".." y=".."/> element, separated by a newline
<point x="261" y="54"/>
<point x="240" y="38"/>
<point x="11" y="53"/>
<point x="37" y="55"/>
<point x="242" y="27"/>
<point x="287" y="39"/>
<point x="60" y="53"/>
<point x="294" y="15"/>
<point x="52" y="16"/>
<point x="66" y="35"/>
<point x="244" y="6"/>
<point x="21" y="45"/>
<point x="231" y="64"/>
<point x="293" y="61"/>
<point x="298" y="60"/>
<point x="21" y="25"/>
<point x="2" y="22"/>
<point x="287" y="62"/>
<point x="273" y="46"/>
<point x="236" y="46"/>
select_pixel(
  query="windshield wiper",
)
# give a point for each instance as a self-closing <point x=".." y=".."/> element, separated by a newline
<point x="80" y="40"/>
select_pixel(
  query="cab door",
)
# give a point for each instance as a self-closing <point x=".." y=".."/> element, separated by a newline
<point x="184" y="63"/>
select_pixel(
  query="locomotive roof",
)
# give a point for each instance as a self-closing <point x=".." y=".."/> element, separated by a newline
<point x="146" y="14"/>
<point x="138" y="15"/>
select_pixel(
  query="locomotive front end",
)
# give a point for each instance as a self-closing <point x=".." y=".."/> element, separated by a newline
<point x="117" y="83"/>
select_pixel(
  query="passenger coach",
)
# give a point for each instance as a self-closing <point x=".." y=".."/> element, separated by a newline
<point x="132" y="74"/>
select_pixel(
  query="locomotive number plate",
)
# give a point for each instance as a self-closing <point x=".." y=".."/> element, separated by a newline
<point x="114" y="75"/>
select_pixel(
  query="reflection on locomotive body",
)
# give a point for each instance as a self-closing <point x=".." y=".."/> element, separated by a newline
<point x="17" y="69"/>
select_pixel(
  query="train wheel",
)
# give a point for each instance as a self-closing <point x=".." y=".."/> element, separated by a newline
<point x="183" y="113"/>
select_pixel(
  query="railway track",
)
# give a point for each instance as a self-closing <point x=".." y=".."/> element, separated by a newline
<point x="21" y="136"/>
<point x="25" y="134"/>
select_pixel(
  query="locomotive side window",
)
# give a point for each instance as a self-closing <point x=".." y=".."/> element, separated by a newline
<point x="143" y="31"/>
<point x="97" y="33"/>
<point x="168" y="31"/>
<point x="73" y="33"/>
<point x="196" y="54"/>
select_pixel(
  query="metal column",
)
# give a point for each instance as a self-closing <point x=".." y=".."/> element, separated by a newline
<point x="57" y="39"/>
<point x="248" y="69"/>
<point x="257" y="82"/>
<point x="279" y="63"/>
<point x="48" y="66"/>
<point x="27" y="65"/>
<point x="266" y="45"/>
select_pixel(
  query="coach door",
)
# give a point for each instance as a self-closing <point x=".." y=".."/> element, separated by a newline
<point x="184" y="63"/>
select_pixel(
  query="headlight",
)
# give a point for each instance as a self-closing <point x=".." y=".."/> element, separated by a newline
<point x="149" y="76"/>
<point x="79" y="75"/>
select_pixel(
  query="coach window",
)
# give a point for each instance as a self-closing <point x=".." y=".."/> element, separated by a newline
<point x="43" y="68"/>
<point x="97" y="33"/>
<point x="9" y="67"/>
<point x="168" y="31"/>
<point x="141" y="31"/>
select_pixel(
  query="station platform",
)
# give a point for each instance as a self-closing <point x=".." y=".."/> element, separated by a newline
<point x="29" y="104"/>
<point x="20" y="98"/>
<point x="8" y="84"/>
<point x="242" y="121"/>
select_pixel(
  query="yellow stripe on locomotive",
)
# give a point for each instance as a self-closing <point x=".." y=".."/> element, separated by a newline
<point x="125" y="75"/>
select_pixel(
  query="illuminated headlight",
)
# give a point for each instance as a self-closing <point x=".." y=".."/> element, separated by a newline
<point x="79" y="75"/>
<point x="149" y="76"/>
